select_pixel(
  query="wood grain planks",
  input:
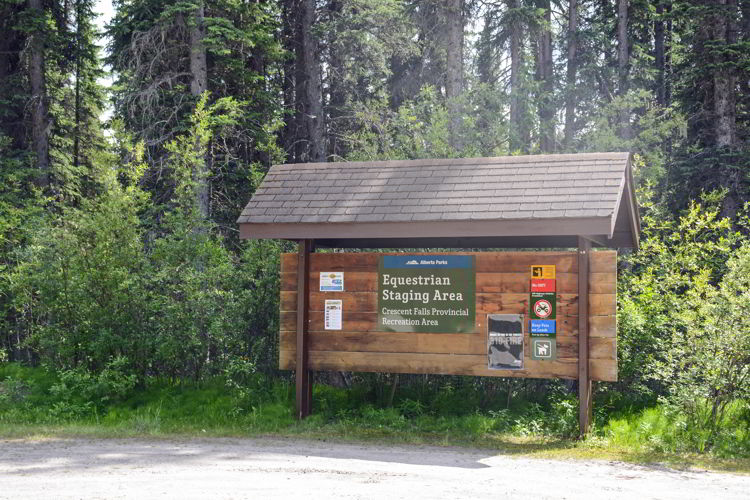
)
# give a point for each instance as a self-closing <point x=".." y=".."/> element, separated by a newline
<point x="422" y="343"/>
<point x="363" y="281"/>
<point x="486" y="303"/>
<point x="446" y="364"/>
<point x="366" y="322"/>
<point x="502" y="285"/>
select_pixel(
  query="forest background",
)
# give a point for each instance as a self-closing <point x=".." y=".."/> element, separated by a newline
<point x="127" y="299"/>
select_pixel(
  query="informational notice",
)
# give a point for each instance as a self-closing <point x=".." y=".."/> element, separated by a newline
<point x="426" y="293"/>
<point x="333" y="310"/>
<point x="505" y="341"/>
<point x="332" y="281"/>
<point x="543" y="285"/>
<point x="543" y="313"/>
<point x="543" y="327"/>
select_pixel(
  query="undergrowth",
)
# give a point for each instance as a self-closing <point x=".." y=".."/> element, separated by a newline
<point x="34" y="401"/>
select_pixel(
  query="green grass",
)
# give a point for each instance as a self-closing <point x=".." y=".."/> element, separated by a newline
<point x="186" y="410"/>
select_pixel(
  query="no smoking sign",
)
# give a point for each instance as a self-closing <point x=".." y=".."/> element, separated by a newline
<point x="543" y="305"/>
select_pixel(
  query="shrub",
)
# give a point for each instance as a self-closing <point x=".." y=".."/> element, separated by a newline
<point x="709" y="360"/>
<point x="79" y="390"/>
<point x="676" y="268"/>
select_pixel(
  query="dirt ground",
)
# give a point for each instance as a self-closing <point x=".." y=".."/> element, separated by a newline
<point x="285" y="468"/>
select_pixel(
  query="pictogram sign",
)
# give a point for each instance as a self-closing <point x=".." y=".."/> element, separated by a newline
<point x="543" y="272"/>
<point x="543" y="305"/>
<point x="542" y="308"/>
<point x="544" y="349"/>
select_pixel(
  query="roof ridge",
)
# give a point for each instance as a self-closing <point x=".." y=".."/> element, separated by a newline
<point x="480" y="160"/>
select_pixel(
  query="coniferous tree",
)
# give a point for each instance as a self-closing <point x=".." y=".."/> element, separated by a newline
<point x="166" y="55"/>
<point x="571" y="72"/>
<point x="39" y="99"/>
<point x="88" y="101"/>
<point x="454" y="81"/>
<point x="309" y="106"/>
<point x="714" y="154"/>
<point x="623" y="61"/>
<point x="545" y="78"/>
<point x="519" y="131"/>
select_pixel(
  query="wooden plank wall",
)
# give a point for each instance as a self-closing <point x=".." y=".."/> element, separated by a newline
<point x="502" y="286"/>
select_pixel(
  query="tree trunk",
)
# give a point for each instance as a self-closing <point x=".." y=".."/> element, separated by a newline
<point x="668" y="58"/>
<point x="724" y="77"/>
<point x="40" y="119"/>
<point x="79" y="55"/>
<point x="454" y="67"/>
<point x="545" y="103"/>
<point x="198" y="68"/>
<point x="288" y="39"/>
<point x="198" y="85"/>
<point x="570" y="94"/>
<point x="743" y="77"/>
<point x="336" y="90"/>
<point x="454" y="48"/>
<point x="725" y="101"/>
<point x="622" y="64"/>
<point x="659" y="55"/>
<point x="518" y="139"/>
<point x="311" y="147"/>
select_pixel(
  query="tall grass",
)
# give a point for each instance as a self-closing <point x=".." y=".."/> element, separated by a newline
<point x="662" y="429"/>
<point x="29" y="404"/>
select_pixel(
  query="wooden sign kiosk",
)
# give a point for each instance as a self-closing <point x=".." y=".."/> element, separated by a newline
<point x="334" y="313"/>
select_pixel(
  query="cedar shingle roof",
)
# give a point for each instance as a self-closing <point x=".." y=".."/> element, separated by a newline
<point x="538" y="187"/>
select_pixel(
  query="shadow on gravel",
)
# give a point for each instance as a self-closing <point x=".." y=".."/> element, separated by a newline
<point x="24" y="457"/>
<point x="44" y="457"/>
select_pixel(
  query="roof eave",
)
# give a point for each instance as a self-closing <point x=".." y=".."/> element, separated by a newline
<point x="635" y="216"/>
<point x="429" y="229"/>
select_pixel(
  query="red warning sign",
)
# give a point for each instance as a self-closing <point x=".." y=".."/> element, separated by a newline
<point x="543" y="285"/>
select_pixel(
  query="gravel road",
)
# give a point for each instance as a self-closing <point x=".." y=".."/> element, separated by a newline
<point x="285" y="468"/>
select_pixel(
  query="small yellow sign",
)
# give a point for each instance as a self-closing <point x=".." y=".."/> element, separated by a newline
<point x="542" y="272"/>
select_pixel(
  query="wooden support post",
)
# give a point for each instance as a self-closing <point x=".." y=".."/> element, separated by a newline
<point x="584" y="381"/>
<point x="302" y="375"/>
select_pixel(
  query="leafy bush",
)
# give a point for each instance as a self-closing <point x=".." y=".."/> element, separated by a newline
<point x="682" y="321"/>
<point x="105" y="284"/>
<point x="249" y="387"/>
<point x="679" y="260"/>
<point x="709" y="360"/>
<point x="411" y="408"/>
<point x="12" y="392"/>
<point x="79" y="391"/>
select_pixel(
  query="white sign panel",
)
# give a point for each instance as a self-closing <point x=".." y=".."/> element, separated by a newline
<point x="332" y="281"/>
<point x="333" y="310"/>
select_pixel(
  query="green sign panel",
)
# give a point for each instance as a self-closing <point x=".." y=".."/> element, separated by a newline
<point x="543" y="305"/>
<point x="426" y="293"/>
<point x="544" y="349"/>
